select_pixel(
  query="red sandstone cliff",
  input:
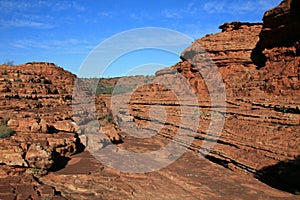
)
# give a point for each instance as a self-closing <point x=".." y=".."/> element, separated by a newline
<point x="259" y="64"/>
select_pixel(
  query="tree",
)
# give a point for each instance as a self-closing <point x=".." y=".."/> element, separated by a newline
<point x="9" y="63"/>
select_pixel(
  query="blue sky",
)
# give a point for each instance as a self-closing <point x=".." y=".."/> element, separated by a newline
<point x="65" y="32"/>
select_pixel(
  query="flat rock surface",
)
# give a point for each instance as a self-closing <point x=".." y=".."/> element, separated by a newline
<point x="190" y="177"/>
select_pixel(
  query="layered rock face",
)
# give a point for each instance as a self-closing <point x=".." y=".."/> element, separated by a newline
<point x="281" y="25"/>
<point x="262" y="118"/>
<point x="262" y="109"/>
<point x="280" y="32"/>
<point x="262" y="104"/>
<point x="259" y="140"/>
<point x="256" y="155"/>
<point x="35" y="103"/>
<point x="36" y="109"/>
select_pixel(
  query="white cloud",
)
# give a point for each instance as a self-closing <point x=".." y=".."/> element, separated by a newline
<point x="189" y="9"/>
<point x="239" y="7"/>
<point x="29" y="44"/>
<point x="171" y="14"/>
<point x="140" y="16"/>
<point x="13" y="5"/>
<point x="51" y="44"/>
<point x="214" y="6"/>
<point x="35" y="14"/>
<point x="66" y="5"/>
<point x="17" y="45"/>
<point x="8" y="6"/>
<point x="24" y="23"/>
<point x="106" y="14"/>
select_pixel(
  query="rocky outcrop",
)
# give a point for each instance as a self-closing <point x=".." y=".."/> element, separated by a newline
<point x="230" y="26"/>
<point x="38" y="151"/>
<point x="36" y="103"/>
<point x="228" y="47"/>
<point x="262" y="115"/>
<point x="260" y="131"/>
<point x="36" y="106"/>
<point x="281" y="30"/>
<point x="281" y="25"/>
<point x="259" y="141"/>
<point x="17" y="183"/>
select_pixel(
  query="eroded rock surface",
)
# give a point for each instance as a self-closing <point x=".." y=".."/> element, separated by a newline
<point x="255" y="157"/>
<point x="262" y="118"/>
<point x="280" y="32"/>
<point x="36" y="107"/>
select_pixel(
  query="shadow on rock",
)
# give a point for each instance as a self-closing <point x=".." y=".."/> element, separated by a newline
<point x="284" y="176"/>
<point x="59" y="162"/>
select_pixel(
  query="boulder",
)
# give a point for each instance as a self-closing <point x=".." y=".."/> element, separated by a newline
<point x="39" y="157"/>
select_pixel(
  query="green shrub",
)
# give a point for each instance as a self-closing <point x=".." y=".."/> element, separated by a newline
<point x="121" y="89"/>
<point x="104" y="90"/>
<point x="7" y="80"/>
<point x="36" y="170"/>
<point x="5" y="131"/>
<point x="5" y="120"/>
<point x="4" y="72"/>
<point x="108" y="118"/>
